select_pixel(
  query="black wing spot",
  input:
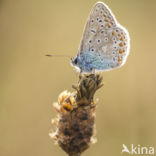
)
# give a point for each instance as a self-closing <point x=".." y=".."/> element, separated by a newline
<point x="106" y="39"/>
<point x="93" y="31"/>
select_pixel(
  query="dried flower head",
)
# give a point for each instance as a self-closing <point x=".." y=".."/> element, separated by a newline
<point x="76" y="115"/>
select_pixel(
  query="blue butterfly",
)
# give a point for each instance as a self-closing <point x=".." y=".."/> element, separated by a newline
<point x="105" y="43"/>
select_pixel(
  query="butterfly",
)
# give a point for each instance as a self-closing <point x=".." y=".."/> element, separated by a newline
<point x="105" y="43"/>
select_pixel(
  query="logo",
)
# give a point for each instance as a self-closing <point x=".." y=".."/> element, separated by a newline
<point x="137" y="149"/>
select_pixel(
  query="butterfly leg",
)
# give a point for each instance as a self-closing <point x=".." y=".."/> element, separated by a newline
<point x="80" y="72"/>
<point x="92" y="71"/>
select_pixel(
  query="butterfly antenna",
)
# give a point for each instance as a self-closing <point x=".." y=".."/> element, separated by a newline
<point x="50" y="55"/>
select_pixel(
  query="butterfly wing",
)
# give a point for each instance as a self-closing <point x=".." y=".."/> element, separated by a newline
<point x="104" y="37"/>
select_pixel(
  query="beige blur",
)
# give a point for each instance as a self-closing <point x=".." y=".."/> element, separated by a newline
<point x="31" y="82"/>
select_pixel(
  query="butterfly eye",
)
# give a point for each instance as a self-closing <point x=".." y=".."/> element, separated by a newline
<point x="75" y="61"/>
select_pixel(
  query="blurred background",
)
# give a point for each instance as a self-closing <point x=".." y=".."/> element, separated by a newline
<point x="31" y="82"/>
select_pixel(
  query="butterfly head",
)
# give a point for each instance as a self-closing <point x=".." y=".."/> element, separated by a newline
<point x="77" y="63"/>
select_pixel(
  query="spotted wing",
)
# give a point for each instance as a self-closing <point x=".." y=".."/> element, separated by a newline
<point x="105" y="36"/>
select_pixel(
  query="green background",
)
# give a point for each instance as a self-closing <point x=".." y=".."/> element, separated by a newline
<point x="31" y="82"/>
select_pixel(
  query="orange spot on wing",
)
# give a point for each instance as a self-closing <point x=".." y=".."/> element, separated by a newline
<point x="119" y="34"/>
<point x="121" y="39"/>
<point x="108" y="25"/>
<point x="119" y="59"/>
<point x="106" y="20"/>
<point x="121" y="44"/>
<point x="113" y="33"/>
<point x="120" y="51"/>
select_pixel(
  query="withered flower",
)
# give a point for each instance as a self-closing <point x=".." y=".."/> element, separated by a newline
<point x="76" y="115"/>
